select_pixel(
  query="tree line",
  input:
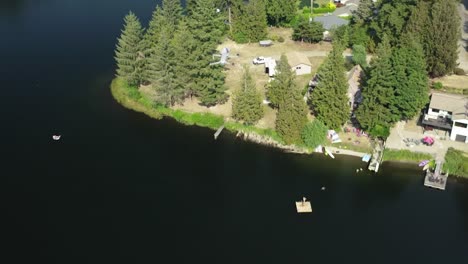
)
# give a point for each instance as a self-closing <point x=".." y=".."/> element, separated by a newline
<point x="174" y="53"/>
<point x="435" y="24"/>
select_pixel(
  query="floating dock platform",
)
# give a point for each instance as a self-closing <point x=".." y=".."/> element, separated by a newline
<point x="436" y="179"/>
<point x="303" y="206"/>
<point x="377" y="156"/>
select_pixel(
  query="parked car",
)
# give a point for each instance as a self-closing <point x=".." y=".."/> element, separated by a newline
<point x="258" y="60"/>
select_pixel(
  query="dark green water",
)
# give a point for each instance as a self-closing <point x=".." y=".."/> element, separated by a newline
<point x="123" y="188"/>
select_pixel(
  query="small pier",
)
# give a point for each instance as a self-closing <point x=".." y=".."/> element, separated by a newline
<point x="377" y="156"/>
<point x="303" y="206"/>
<point x="436" y="179"/>
<point x="220" y="129"/>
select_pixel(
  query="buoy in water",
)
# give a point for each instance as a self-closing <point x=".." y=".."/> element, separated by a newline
<point x="323" y="188"/>
<point x="56" y="137"/>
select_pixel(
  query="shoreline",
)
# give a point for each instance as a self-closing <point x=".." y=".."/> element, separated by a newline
<point x="247" y="134"/>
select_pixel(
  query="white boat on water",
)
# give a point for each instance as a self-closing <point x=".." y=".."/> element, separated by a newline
<point x="329" y="153"/>
<point x="56" y="137"/>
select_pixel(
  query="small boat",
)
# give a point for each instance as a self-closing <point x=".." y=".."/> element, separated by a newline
<point x="426" y="167"/>
<point x="56" y="137"/>
<point x="366" y="158"/>
<point x="327" y="151"/>
<point x="423" y="163"/>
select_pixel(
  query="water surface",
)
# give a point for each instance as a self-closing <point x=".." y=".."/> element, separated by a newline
<point x="123" y="188"/>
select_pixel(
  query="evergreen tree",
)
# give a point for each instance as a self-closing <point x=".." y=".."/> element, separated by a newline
<point x="206" y="26"/>
<point x="306" y="31"/>
<point x="247" y="103"/>
<point x="283" y="81"/>
<point x="249" y="20"/>
<point x="128" y="51"/>
<point x="172" y="13"/>
<point x="444" y="34"/>
<point x="156" y="23"/>
<point x="392" y="18"/>
<point x="364" y="13"/>
<point x="341" y="35"/>
<point x="292" y="116"/>
<point x="330" y="97"/>
<point x="280" y="12"/>
<point x="239" y="23"/>
<point x="184" y="47"/>
<point x="411" y="92"/>
<point x="256" y="20"/>
<point x="163" y="79"/>
<point x="377" y="110"/>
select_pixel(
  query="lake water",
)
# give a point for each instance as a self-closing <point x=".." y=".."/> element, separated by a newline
<point x="123" y="188"/>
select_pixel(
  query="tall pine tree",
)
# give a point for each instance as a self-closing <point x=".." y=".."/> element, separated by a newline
<point x="283" y="81"/>
<point x="280" y="12"/>
<point x="247" y="103"/>
<point x="292" y="116"/>
<point x="330" y="97"/>
<point x="364" y="13"/>
<point x="377" y="110"/>
<point x="444" y="33"/>
<point x="411" y="92"/>
<point x="128" y="51"/>
<point x="207" y="26"/>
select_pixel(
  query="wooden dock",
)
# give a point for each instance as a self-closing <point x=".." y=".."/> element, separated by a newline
<point x="377" y="156"/>
<point x="220" y="129"/>
<point x="303" y="206"/>
<point x="436" y="179"/>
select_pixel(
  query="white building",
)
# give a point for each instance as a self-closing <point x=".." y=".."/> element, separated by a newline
<point x="450" y="113"/>
<point x="270" y="66"/>
<point x="300" y="64"/>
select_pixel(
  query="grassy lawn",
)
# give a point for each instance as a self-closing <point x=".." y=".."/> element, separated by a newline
<point x="132" y="98"/>
<point x="456" y="162"/>
<point x="405" y="155"/>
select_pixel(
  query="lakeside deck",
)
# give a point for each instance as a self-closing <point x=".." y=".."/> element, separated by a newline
<point x="436" y="179"/>
<point x="377" y="156"/>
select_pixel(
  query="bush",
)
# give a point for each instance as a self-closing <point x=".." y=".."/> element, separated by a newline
<point x="459" y="71"/>
<point x="380" y="131"/>
<point x="359" y="55"/>
<point x="314" y="134"/>
<point x="456" y="162"/>
<point x="281" y="39"/>
<point x="274" y="37"/>
<point x="240" y="38"/>
<point x="437" y="86"/>
<point x="323" y="10"/>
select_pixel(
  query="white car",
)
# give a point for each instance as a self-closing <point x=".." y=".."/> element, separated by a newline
<point x="258" y="60"/>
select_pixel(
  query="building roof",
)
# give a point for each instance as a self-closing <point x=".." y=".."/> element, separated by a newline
<point x="296" y="58"/>
<point x="331" y="21"/>
<point x="457" y="104"/>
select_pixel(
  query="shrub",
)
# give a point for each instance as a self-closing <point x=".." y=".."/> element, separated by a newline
<point x="240" y="38"/>
<point x="437" y="86"/>
<point x="380" y="131"/>
<point x="456" y="162"/>
<point x="459" y="71"/>
<point x="274" y="37"/>
<point x="314" y="134"/>
<point x="281" y="39"/>
<point x="359" y="55"/>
